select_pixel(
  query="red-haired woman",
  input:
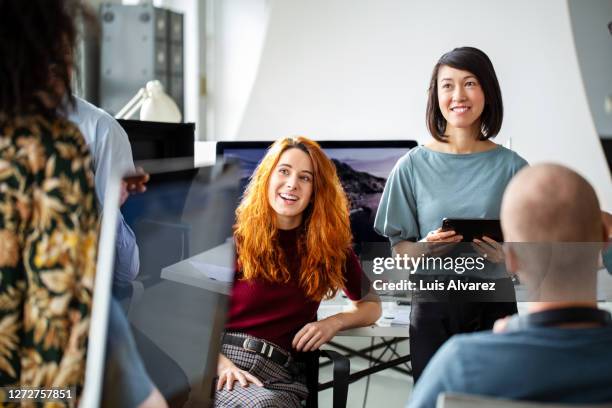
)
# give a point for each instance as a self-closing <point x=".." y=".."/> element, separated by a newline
<point x="293" y="241"/>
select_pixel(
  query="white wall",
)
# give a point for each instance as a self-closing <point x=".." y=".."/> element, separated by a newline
<point x="594" y="48"/>
<point x="236" y="39"/>
<point x="359" y="69"/>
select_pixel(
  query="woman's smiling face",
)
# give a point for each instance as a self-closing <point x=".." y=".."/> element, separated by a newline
<point x="290" y="187"/>
<point x="460" y="97"/>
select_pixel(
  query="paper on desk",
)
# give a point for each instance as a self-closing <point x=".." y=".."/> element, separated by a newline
<point x="216" y="272"/>
<point x="401" y="317"/>
<point x="395" y="317"/>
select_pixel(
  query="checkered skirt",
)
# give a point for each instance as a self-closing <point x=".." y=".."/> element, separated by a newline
<point x="283" y="387"/>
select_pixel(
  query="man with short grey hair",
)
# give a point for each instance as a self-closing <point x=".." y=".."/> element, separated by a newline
<point x="561" y="350"/>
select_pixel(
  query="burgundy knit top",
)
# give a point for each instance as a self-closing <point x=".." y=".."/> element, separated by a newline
<point x="277" y="311"/>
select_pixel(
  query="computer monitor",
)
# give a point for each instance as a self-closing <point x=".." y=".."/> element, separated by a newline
<point x="363" y="168"/>
<point x="182" y="228"/>
<point x="159" y="140"/>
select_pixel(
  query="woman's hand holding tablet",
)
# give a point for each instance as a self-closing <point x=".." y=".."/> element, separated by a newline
<point x="485" y="235"/>
<point x="490" y="249"/>
<point x="443" y="241"/>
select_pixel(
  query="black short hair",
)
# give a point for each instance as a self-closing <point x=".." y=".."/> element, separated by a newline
<point x="475" y="61"/>
<point x="36" y="42"/>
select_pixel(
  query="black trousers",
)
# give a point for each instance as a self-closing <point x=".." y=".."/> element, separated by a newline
<point x="434" y="318"/>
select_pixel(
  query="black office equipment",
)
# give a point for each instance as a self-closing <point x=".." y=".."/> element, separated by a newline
<point x="159" y="140"/>
<point x="471" y="228"/>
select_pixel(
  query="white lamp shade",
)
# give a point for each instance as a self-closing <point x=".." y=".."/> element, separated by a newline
<point x="159" y="107"/>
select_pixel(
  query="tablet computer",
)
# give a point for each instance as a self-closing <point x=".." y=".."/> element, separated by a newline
<point x="472" y="228"/>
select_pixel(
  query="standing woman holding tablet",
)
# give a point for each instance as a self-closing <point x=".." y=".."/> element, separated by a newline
<point x="293" y="242"/>
<point x="458" y="174"/>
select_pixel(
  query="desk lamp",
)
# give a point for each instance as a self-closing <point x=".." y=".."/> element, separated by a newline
<point x="154" y="103"/>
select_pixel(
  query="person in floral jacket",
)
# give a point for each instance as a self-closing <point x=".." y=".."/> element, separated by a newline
<point x="48" y="212"/>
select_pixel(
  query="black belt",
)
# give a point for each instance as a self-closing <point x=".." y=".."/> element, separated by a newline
<point x="258" y="346"/>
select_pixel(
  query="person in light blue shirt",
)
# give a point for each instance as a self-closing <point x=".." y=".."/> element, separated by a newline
<point x="561" y="350"/>
<point x="461" y="174"/>
<point x="126" y="377"/>
<point x="110" y="148"/>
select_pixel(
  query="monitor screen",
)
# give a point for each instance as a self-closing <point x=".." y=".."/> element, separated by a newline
<point x="159" y="140"/>
<point x="177" y="303"/>
<point x="362" y="166"/>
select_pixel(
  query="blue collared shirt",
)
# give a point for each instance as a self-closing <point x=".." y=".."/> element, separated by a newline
<point x="110" y="148"/>
<point x="536" y="364"/>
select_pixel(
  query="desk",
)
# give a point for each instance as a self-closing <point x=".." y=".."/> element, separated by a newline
<point x="389" y="333"/>
<point x="211" y="270"/>
<point x="384" y="327"/>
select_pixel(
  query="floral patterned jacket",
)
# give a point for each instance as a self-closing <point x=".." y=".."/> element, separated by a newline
<point x="48" y="243"/>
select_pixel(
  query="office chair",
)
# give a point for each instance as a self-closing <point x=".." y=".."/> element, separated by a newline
<point x="474" y="401"/>
<point x="339" y="382"/>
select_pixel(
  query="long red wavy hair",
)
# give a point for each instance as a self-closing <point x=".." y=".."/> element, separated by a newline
<point x="326" y="236"/>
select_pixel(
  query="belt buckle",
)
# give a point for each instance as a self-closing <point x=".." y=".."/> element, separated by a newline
<point x="245" y="345"/>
